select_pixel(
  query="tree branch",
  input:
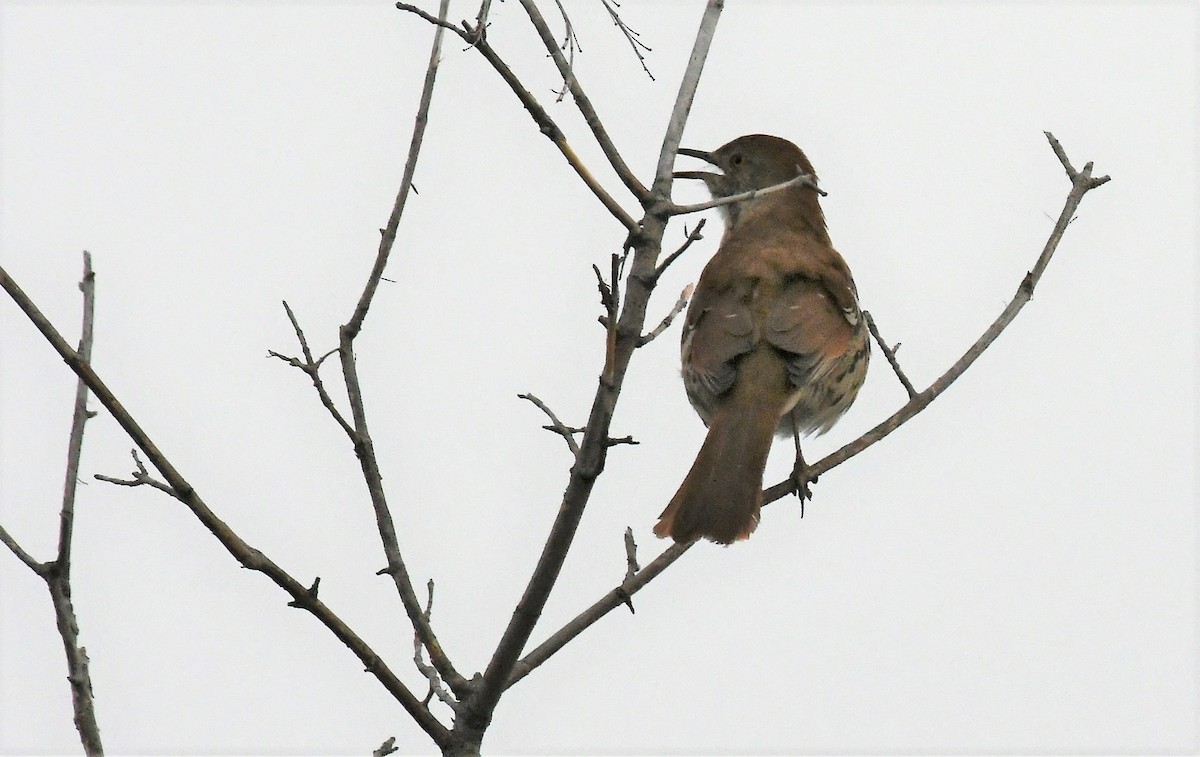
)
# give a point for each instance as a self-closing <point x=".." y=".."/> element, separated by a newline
<point x="313" y="369"/>
<point x="364" y="448"/>
<point x="803" y="180"/>
<point x="693" y="236"/>
<point x="890" y="354"/>
<point x="388" y="233"/>
<point x="15" y="547"/>
<point x="79" y="417"/>
<point x="665" y="324"/>
<point x="589" y="464"/>
<point x="586" y="109"/>
<point x="58" y="578"/>
<point x="473" y="35"/>
<point x="606" y="604"/>
<point x="684" y="98"/>
<point x="246" y="555"/>
<point x="57" y="573"/>
<point x="555" y="424"/>
<point x="430" y="673"/>
<point x="1081" y="183"/>
<point x="631" y="35"/>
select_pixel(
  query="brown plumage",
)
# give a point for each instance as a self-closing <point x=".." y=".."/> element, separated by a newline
<point x="774" y="340"/>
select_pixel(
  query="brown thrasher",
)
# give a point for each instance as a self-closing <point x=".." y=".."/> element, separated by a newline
<point x="774" y="340"/>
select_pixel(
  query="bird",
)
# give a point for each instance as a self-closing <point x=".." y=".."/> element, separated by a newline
<point x="774" y="340"/>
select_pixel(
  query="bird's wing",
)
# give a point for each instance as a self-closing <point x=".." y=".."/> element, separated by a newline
<point x="715" y="335"/>
<point x="806" y="321"/>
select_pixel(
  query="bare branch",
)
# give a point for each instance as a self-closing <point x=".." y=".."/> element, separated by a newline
<point x="803" y="180"/>
<point x="606" y="604"/>
<point x="566" y="432"/>
<point x="430" y="673"/>
<point x="481" y="18"/>
<point x="646" y="242"/>
<point x="683" y="100"/>
<point x="473" y="36"/>
<point x="14" y="546"/>
<point x="364" y="447"/>
<point x="680" y="304"/>
<point x="634" y="38"/>
<point x="569" y="45"/>
<point x="246" y="555"/>
<point x="58" y="577"/>
<point x="890" y="354"/>
<point x="78" y="673"/>
<point x="388" y="233"/>
<point x="57" y="573"/>
<point x="586" y="109"/>
<point x="1081" y="183"/>
<point x="79" y="417"/>
<point x="631" y="561"/>
<point x="141" y="477"/>
<point x="313" y="369"/>
<point x="693" y="236"/>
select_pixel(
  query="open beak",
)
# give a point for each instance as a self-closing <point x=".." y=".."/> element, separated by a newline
<point x="702" y="155"/>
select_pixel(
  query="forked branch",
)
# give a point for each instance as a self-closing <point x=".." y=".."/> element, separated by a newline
<point x="474" y="37"/>
<point x="57" y="572"/>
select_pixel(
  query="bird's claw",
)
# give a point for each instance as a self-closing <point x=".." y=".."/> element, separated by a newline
<point x="800" y="484"/>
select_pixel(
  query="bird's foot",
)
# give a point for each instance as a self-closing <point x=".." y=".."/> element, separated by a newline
<point x="800" y="483"/>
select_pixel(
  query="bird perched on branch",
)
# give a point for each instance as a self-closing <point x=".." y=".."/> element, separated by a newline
<point x="774" y="340"/>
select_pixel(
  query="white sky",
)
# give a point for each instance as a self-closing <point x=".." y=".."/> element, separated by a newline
<point x="1014" y="570"/>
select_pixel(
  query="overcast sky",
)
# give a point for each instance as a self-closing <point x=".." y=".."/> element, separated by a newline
<point x="1015" y="569"/>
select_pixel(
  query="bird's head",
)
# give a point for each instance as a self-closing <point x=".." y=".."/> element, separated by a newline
<point x="755" y="161"/>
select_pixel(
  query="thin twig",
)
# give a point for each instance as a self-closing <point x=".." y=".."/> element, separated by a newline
<point x="606" y="604"/>
<point x="803" y="180"/>
<point x="890" y="354"/>
<point x="610" y="298"/>
<point x="586" y="109"/>
<point x="665" y="324"/>
<point x="631" y="561"/>
<point x="569" y="44"/>
<point x="57" y="573"/>
<point x="473" y="36"/>
<point x="684" y="98"/>
<point x="313" y="369"/>
<point x="634" y="38"/>
<point x="141" y="477"/>
<point x="364" y="447"/>
<point x="15" y="547"/>
<point x="481" y="18"/>
<point x="692" y="237"/>
<point x="79" y="417"/>
<point x="566" y="432"/>
<point x="388" y="233"/>
<point x="430" y="672"/>
<point x="58" y="578"/>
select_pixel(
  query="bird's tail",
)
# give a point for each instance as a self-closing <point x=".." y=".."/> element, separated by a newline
<point x="722" y="494"/>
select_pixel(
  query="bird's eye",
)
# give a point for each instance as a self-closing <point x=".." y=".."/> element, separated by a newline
<point x="736" y="160"/>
